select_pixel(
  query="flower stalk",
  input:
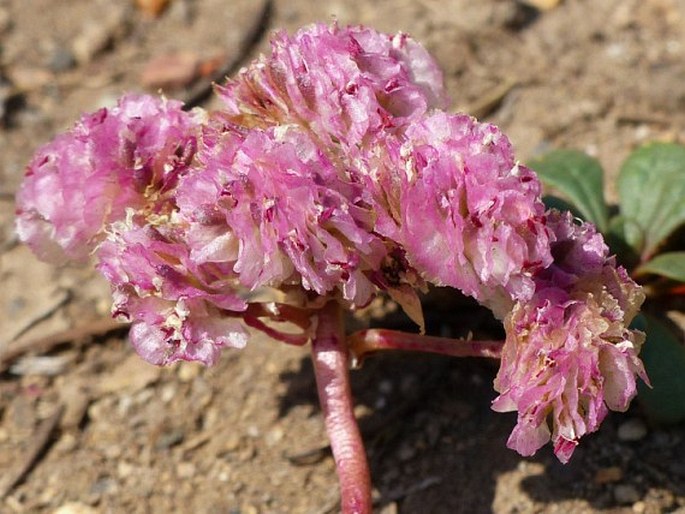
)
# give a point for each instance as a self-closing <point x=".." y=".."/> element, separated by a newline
<point x="364" y="342"/>
<point x="331" y="367"/>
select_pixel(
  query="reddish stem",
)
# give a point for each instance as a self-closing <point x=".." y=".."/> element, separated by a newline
<point x="331" y="366"/>
<point x="368" y="341"/>
<point x="279" y="313"/>
<point x="294" y="339"/>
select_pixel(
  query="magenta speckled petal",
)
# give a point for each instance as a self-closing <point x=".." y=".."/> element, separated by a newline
<point x="345" y="84"/>
<point x="179" y="310"/>
<point x="112" y="160"/>
<point x="283" y="214"/>
<point x="483" y="209"/>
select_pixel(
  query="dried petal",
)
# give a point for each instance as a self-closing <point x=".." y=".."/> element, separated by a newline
<point x="569" y="356"/>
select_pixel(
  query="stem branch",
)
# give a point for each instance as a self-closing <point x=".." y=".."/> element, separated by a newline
<point x="331" y="366"/>
<point x="368" y="341"/>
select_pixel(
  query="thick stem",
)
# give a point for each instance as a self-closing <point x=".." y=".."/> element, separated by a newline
<point x="331" y="366"/>
<point x="368" y="341"/>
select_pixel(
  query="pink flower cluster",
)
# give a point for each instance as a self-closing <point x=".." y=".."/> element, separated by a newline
<point x="330" y="172"/>
<point x="569" y="356"/>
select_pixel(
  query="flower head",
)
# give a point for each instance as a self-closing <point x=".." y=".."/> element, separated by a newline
<point x="112" y="160"/>
<point x="179" y="310"/>
<point x="345" y="84"/>
<point x="569" y="356"/>
<point x="258" y="209"/>
<point x="270" y="207"/>
<point x="470" y="216"/>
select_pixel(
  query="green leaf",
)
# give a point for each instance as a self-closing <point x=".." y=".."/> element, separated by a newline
<point x="578" y="177"/>
<point x="651" y="188"/>
<point x="664" y="358"/>
<point x="554" y="202"/>
<point x="623" y="237"/>
<point x="670" y="265"/>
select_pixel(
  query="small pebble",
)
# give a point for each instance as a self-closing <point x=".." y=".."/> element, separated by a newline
<point x="112" y="451"/>
<point x="66" y="444"/>
<point x="125" y="469"/>
<point x="406" y="452"/>
<point x="626" y="494"/>
<point x="47" y="365"/>
<point x="639" y="507"/>
<point x="185" y="470"/>
<point x="274" y="436"/>
<point x="96" y="36"/>
<point x="231" y="443"/>
<point x="187" y="371"/>
<point x="61" y="60"/>
<point x="380" y="403"/>
<point x="104" y="485"/>
<point x="100" y="410"/>
<point x="169" y="439"/>
<point x="75" y="508"/>
<point x="168" y="392"/>
<point x="476" y="380"/>
<point x="632" y="430"/>
<point x="390" y="508"/>
<point x="5" y="20"/>
<point x="361" y="411"/>
<point x="608" y="475"/>
<point x="152" y="7"/>
<point x="385" y="386"/>
<point x="93" y="39"/>
<point x="174" y="70"/>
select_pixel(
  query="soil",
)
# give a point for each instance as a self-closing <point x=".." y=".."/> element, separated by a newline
<point x="87" y="427"/>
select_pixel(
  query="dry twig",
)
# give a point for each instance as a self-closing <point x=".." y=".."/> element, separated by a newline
<point x="492" y="99"/>
<point x="37" y="447"/>
<point x="44" y="314"/>
<point x="44" y="344"/>
<point x="197" y="94"/>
